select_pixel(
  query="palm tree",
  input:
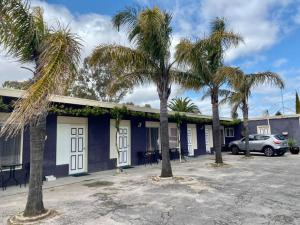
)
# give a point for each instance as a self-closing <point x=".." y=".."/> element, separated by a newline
<point x="204" y="62"/>
<point x="149" y="32"/>
<point x="242" y="85"/>
<point x="183" y="105"/>
<point x="55" y="54"/>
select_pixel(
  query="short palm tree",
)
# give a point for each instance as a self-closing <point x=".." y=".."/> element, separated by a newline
<point x="204" y="62"/>
<point x="242" y="85"/>
<point x="183" y="105"/>
<point x="56" y="54"/>
<point x="149" y="32"/>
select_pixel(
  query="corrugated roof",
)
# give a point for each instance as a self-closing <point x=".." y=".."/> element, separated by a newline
<point x="14" y="93"/>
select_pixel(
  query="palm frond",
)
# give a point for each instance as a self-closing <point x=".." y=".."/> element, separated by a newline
<point x="56" y="67"/>
<point x="268" y="78"/>
<point x="183" y="105"/>
<point x="120" y="57"/>
<point x="227" y="73"/>
<point x="129" y="18"/>
<point x="17" y="30"/>
<point x="187" y="79"/>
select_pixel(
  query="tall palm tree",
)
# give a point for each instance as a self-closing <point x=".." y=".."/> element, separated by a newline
<point x="204" y="61"/>
<point x="183" y="105"/>
<point x="149" y="32"/>
<point x="55" y="54"/>
<point x="242" y="85"/>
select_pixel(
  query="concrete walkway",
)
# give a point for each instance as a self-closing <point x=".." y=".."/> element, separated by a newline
<point x="247" y="191"/>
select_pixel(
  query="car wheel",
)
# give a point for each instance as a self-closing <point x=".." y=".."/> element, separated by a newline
<point x="281" y="153"/>
<point x="269" y="151"/>
<point x="235" y="150"/>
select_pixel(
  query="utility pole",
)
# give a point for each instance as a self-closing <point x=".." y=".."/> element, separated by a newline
<point x="282" y="101"/>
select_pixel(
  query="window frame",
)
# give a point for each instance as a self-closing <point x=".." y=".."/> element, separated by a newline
<point x="159" y="147"/>
<point x="21" y="149"/>
<point x="177" y="135"/>
<point x="227" y="133"/>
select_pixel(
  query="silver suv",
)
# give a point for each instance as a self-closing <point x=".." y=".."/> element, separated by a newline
<point x="269" y="144"/>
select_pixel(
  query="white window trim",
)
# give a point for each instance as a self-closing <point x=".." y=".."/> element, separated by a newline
<point x="229" y="128"/>
<point x="21" y="150"/>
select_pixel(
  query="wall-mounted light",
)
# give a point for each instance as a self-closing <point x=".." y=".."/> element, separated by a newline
<point x="139" y="124"/>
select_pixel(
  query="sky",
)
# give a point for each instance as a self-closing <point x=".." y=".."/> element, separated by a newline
<point x="270" y="28"/>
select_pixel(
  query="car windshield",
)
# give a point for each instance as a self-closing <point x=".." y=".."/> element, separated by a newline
<point x="279" y="137"/>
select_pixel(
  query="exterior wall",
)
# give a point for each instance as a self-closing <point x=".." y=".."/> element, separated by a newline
<point x="290" y="125"/>
<point x="138" y="139"/>
<point x="183" y="138"/>
<point x="98" y="144"/>
<point x="237" y="133"/>
<point x="200" y="140"/>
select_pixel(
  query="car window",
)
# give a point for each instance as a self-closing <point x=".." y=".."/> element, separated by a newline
<point x="261" y="137"/>
<point x="251" y="138"/>
<point x="279" y="137"/>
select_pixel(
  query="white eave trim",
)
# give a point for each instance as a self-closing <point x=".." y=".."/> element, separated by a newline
<point x="276" y="117"/>
<point x="14" y="93"/>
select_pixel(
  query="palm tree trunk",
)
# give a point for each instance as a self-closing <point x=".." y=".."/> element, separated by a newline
<point x="216" y="126"/>
<point x="246" y="129"/>
<point x="35" y="204"/>
<point x="164" y="92"/>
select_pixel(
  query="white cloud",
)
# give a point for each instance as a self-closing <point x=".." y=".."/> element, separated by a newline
<point x="147" y="94"/>
<point x="279" y="62"/>
<point x="258" y="22"/>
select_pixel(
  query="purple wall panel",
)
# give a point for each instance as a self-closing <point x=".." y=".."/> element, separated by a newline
<point x="98" y="144"/>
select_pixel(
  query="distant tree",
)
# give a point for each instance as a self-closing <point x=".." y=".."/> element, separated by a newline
<point x="297" y="103"/>
<point x="183" y="105"/>
<point x="129" y="103"/>
<point x="23" y="85"/>
<point x="94" y="83"/>
<point x="278" y="113"/>
<point x="147" y="105"/>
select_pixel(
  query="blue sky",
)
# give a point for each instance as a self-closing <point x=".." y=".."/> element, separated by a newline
<point x="271" y="29"/>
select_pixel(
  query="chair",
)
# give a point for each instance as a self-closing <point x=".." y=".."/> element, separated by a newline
<point x="141" y="158"/>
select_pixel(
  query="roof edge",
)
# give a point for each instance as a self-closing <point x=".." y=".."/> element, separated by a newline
<point x="15" y="93"/>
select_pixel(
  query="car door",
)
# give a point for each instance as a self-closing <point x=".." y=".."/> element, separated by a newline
<point x="251" y="143"/>
<point x="259" y="142"/>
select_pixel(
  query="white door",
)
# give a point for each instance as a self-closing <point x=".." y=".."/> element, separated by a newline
<point x="77" y="150"/>
<point x="190" y="143"/>
<point x="208" y="138"/>
<point x="123" y="146"/>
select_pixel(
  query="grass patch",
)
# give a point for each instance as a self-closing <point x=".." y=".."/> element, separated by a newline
<point x="99" y="184"/>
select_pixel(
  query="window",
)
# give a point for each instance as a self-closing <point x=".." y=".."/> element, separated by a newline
<point x="261" y="137"/>
<point x="173" y="137"/>
<point x="229" y="132"/>
<point x="265" y="129"/>
<point x="152" y="134"/>
<point x="10" y="150"/>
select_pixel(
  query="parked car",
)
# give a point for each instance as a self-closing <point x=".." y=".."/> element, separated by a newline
<point x="268" y="144"/>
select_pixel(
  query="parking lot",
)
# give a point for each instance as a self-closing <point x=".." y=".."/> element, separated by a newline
<point x="260" y="190"/>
